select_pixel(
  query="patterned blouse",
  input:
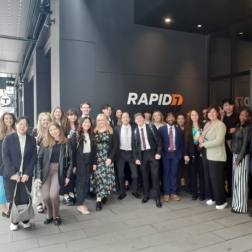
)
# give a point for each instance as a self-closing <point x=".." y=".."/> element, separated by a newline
<point x="196" y="134"/>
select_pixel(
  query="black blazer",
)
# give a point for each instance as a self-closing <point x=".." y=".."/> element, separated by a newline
<point x="111" y="123"/>
<point x="117" y="135"/>
<point x="78" y="153"/>
<point x="155" y="142"/>
<point x="11" y="155"/>
<point x="43" y="163"/>
<point x="189" y="147"/>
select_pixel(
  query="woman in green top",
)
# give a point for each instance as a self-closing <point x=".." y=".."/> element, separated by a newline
<point x="192" y="155"/>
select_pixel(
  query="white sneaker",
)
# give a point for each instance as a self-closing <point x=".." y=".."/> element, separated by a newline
<point x="210" y="202"/>
<point x="222" y="206"/>
<point x="26" y="225"/>
<point x="13" y="227"/>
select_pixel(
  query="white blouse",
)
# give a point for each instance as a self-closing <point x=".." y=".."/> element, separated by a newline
<point x="87" y="144"/>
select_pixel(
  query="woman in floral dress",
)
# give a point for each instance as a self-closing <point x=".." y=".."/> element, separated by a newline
<point x="102" y="180"/>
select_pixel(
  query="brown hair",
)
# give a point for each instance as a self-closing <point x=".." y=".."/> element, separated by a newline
<point x="63" y="119"/>
<point x="189" y="125"/>
<point x="3" y="127"/>
<point x="138" y="114"/>
<point x="102" y="117"/>
<point x="49" y="141"/>
<point x="83" y="103"/>
<point x="80" y="131"/>
<point x="213" y="107"/>
<point x="68" y="123"/>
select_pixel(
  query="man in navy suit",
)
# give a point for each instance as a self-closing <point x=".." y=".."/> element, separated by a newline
<point x="172" y="138"/>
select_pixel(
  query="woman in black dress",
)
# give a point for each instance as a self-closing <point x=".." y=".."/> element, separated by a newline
<point x="103" y="178"/>
<point x="7" y="127"/>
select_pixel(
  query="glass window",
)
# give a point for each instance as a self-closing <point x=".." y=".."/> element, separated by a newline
<point x="219" y="90"/>
<point x="220" y="54"/>
<point x="241" y="92"/>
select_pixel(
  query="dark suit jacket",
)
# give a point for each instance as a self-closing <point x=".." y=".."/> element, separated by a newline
<point x="11" y="155"/>
<point x="166" y="142"/>
<point x="78" y="153"/>
<point x="117" y="134"/>
<point x="111" y="123"/>
<point x="154" y="140"/>
<point x="189" y="147"/>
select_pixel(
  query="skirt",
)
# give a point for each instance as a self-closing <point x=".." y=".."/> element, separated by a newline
<point x="2" y="192"/>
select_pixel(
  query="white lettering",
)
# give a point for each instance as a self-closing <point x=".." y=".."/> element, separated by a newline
<point x="143" y="99"/>
<point x="132" y="98"/>
<point x="153" y="98"/>
<point x="246" y="101"/>
<point x="169" y="99"/>
<point x="160" y="99"/>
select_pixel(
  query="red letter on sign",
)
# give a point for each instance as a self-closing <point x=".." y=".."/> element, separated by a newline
<point x="177" y="99"/>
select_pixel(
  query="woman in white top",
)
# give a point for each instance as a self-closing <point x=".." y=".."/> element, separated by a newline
<point x="84" y="158"/>
<point x="158" y="119"/>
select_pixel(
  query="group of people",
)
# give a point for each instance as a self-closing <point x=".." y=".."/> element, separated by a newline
<point x="84" y="156"/>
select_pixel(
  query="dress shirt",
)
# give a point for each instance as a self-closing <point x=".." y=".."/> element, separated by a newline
<point x="147" y="121"/>
<point x="22" y="140"/>
<point x="145" y="137"/>
<point x="174" y="135"/>
<point x="84" y="116"/>
<point x="86" y="145"/>
<point x="125" y="138"/>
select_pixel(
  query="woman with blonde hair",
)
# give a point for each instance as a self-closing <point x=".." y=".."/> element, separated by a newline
<point x="7" y="126"/>
<point x="39" y="133"/>
<point x="158" y="119"/>
<point x="103" y="178"/>
<point x="58" y="116"/>
<point x="53" y="170"/>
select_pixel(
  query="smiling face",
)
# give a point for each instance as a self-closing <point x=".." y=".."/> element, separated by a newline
<point x="170" y="119"/>
<point x="8" y="120"/>
<point x="147" y="116"/>
<point x="57" y="113"/>
<point x="194" y="116"/>
<point x="139" y="120"/>
<point x="244" y="116"/>
<point x="45" y="120"/>
<point x="212" y="115"/>
<point x="72" y="118"/>
<point x="181" y="120"/>
<point x="107" y="111"/>
<point x="125" y="119"/>
<point x="22" y="127"/>
<point x="54" y="131"/>
<point x="119" y="114"/>
<point x="86" y="125"/>
<point x="85" y="109"/>
<point x="157" y="117"/>
<point x="228" y="108"/>
<point x="101" y="123"/>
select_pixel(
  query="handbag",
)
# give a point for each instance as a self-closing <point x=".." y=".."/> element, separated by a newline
<point x="16" y="215"/>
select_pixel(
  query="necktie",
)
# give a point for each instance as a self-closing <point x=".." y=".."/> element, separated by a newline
<point x="143" y="139"/>
<point x="171" y="139"/>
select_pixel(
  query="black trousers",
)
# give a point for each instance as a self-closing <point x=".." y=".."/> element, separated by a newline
<point x="214" y="185"/>
<point x="229" y="168"/>
<point x="196" y="167"/>
<point x="83" y="178"/>
<point x="126" y="157"/>
<point x="153" y="167"/>
<point x="188" y="186"/>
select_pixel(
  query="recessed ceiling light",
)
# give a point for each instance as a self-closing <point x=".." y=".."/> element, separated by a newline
<point x="241" y="33"/>
<point x="199" y="25"/>
<point x="167" y="20"/>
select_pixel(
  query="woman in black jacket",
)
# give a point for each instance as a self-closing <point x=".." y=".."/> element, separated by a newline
<point x="192" y="155"/>
<point x="84" y="153"/>
<point x="54" y="168"/>
<point x="240" y="148"/>
<point x="103" y="178"/>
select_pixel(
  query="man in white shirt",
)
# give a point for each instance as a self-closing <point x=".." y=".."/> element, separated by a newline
<point x="123" y="141"/>
<point x="147" y="147"/>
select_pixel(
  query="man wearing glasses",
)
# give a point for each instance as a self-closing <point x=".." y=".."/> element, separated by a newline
<point x="123" y="142"/>
<point x="172" y="138"/>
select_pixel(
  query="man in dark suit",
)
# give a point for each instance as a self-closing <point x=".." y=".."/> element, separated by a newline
<point x="107" y="110"/>
<point x="172" y="138"/>
<point x="85" y="108"/>
<point x="147" y="152"/>
<point x="123" y="142"/>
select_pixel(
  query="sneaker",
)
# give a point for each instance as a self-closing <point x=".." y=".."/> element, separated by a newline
<point x="220" y="207"/>
<point x="210" y="202"/>
<point x="13" y="227"/>
<point x="26" y="225"/>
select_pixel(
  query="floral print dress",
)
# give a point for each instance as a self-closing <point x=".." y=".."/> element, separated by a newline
<point x="103" y="178"/>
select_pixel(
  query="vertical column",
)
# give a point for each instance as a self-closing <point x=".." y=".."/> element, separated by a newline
<point x="28" y="102"/>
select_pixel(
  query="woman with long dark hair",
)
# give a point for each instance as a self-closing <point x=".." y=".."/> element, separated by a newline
<point x="70" y="129"/>
<point x="118" y="117"/>
<point x="192" y="154"/>
<point x="7" y="127"/>
<point x="84" y="144"/>
<point x="53" y="170"/>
